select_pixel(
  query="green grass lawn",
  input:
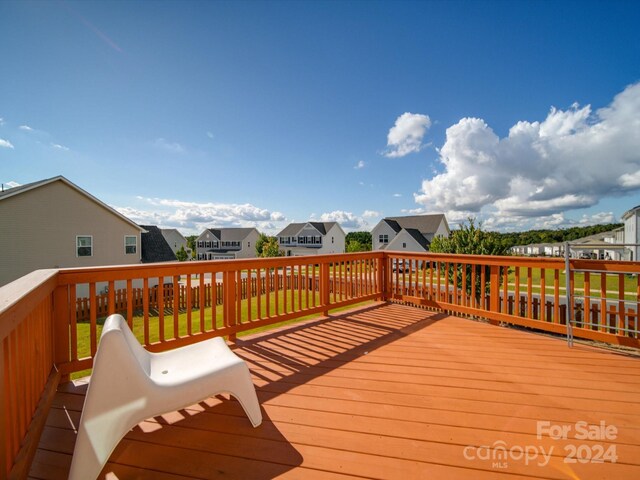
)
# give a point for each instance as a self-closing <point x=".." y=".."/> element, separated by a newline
<point x="84" y="332"/>
<point x="630" y="282"/>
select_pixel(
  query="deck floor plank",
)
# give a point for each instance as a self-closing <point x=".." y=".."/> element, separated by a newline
<point x="384" y="392"/>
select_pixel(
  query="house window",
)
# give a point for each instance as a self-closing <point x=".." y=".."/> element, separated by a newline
<point x="248" y="244"/>
<point x="130" y="244"/>
<point x="331" y="239"/>
<point x="200" y="244"/>
<point x="383" y="238"/>
<point x="84" y="246"/>
<point x="404" y="245"/>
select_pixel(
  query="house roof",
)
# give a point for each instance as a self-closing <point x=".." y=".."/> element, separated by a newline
<point x="154" y="246"/>
<point x="422" y="223"/>
<point x="172" y="231"/>
<point x="231" y="234"/>
<point x="418" y="237"/>
<point x="40" y="183"/>
<point x="294" y="228"/>
<point x="630" y="212"/>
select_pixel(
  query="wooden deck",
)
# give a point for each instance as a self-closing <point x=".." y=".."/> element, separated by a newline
<point x="388" y="391"/>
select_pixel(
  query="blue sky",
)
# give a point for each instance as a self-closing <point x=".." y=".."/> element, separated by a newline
<point x="200" y="114"/>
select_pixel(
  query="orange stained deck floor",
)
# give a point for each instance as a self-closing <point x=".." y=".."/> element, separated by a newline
<point x="393" y="392"/>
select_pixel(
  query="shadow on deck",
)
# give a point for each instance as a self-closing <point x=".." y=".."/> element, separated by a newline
<point x="388" y="391"/>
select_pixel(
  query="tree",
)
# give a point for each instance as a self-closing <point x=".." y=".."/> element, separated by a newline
<point x="356" y="246"/>
<point x="364" y="238"/>
<point x="469" y="239"/>
<point x="271" y="248"/>
<point x="262" y="239"/>
<point x="191" y="243"/>
<point x="181" y="254"/>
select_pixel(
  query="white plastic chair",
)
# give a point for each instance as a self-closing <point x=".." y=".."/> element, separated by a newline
<point x="130" y="384"/>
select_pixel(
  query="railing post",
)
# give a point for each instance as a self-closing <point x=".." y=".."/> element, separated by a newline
<point x="382" y="277"/>
<point x="229" y="310"/>
<point x="568" y="292"/>
<point x="4" y="424"/>
<point x="61" y="328"/>
<point x="325" y="298"/>
<point x="494" y="288"/>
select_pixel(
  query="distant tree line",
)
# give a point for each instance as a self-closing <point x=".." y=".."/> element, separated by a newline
<point x="509" y="240"/>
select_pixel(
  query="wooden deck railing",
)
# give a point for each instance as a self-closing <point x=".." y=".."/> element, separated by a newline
<point x="604" y="295"/>
<point x="50" y="320"/>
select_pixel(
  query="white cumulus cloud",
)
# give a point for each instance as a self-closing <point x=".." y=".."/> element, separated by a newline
<point x="406" y="135"/>
<point x="371" y="214"/>
<point x="5" y="143"/>
<point x="360" y="165"/>
<point x="194" y="217"/>
<point x="569" y="160"/>
<point x="26" y="128"/>
<point x="347" y="220"/>
<point x="57" y="146"/>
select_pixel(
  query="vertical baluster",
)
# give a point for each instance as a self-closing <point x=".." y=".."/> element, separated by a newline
<point x="543" y="295"/>
<point x="259" y="291"/>
<point x="621" y="315"/>
<point x="556" y="296"/>
<point x="93" y="319"/>
<point x="145" y="309"/>
<point x="161" y="308"/>
<point x="603" y="302"/>
<point x="74" y="323"/>
<point x="176" y="307"/>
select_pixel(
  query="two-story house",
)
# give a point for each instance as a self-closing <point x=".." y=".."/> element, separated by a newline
<point x="312" y="238"/>
<point x="53" y="223"/>
<point x="411" y="234"/>
<point x="226" y="243"/>
<point x="631" y="219"/>
<point x="175" y="240"/>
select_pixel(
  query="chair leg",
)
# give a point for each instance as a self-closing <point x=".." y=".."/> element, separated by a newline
<point x="245" y="392"/>
<point x="96" y="440"/>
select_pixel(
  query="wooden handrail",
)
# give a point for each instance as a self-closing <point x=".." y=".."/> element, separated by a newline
<point x="48" y="317"/>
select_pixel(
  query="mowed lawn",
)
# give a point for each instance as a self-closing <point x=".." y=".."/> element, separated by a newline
<point x="84" y="328"/>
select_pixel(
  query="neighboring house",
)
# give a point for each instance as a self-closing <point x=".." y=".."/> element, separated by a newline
<point x="175" y="240"/>
<point x="411" y="233"/>
<point x="593" y="246"/>
<point x="226" y="243"/>
<point x="53" y="223"/>
<point x="155" y="247"/>
<point x="631" y="219"/>
<point x="312" y="238"/>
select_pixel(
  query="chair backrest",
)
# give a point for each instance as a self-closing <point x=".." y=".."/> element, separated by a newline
<point x="116" y="324"/>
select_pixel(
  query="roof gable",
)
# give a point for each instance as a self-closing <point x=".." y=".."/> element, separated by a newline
<point x="154" y="246"/>
<point x="293" y="229"/>
<point x="22" y="189"/>
<point x="422" y="223"/>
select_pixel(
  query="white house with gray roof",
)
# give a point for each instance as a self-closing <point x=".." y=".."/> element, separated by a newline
<point x="175" y="240"/>
<point x="226" y="243"/>
<point x="631" y="219"/>
<point x="312" y="238"/>
<point x="410" y="233"/>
